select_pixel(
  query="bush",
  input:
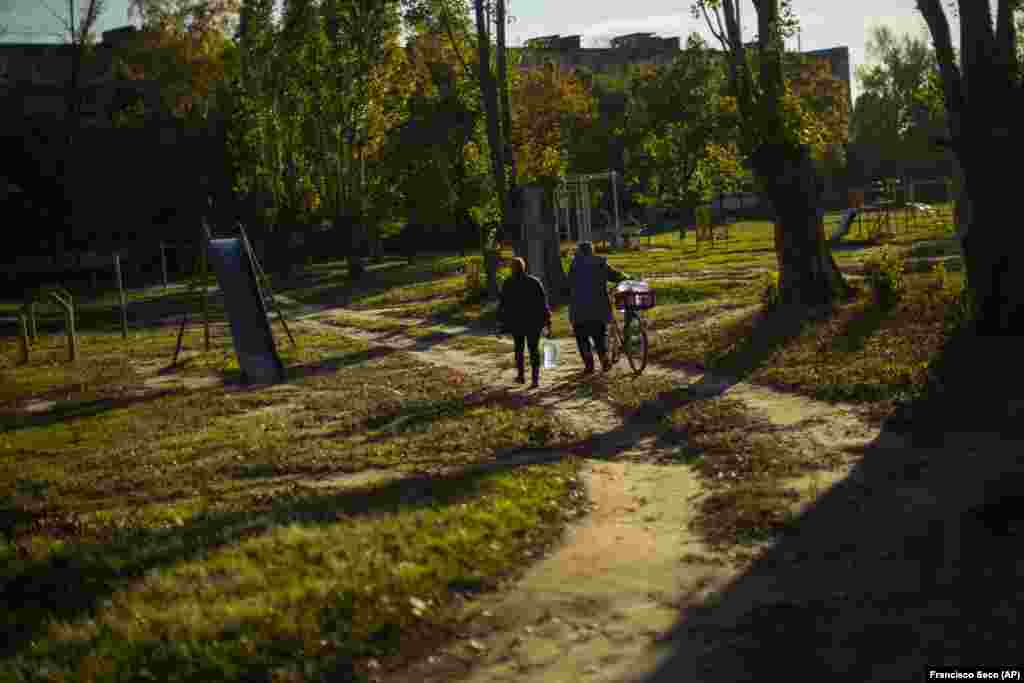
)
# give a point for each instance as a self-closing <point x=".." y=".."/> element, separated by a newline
<point x="770" y="290"/>
<point x="885" y="277"/>
<point x="958" y="311"/>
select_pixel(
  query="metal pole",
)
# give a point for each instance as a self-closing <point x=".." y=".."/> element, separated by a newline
<point x="163" y="263"/>
<point x="615" y="205"/>
<point x="204" y="302"/>
<point x="120" y="289"/>
<point x="22" y="339"/>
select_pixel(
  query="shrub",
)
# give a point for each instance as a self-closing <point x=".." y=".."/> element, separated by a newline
<point x="958" y="311"/>
<point x="884" y="275"/>
<point x="770" y="290"/>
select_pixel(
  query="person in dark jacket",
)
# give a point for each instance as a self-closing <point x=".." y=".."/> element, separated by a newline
<point x="523" y="311"/>
<point x="590" y="311"/>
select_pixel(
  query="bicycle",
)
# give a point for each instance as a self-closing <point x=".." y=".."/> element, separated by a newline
<point x="631" y="339"/>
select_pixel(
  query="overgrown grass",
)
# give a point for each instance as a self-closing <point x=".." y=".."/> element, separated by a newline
<point x="210" y="535"/>
<point x="861" y="352"/>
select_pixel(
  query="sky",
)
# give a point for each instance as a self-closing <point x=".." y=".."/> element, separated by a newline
<point x="825" y="23"/>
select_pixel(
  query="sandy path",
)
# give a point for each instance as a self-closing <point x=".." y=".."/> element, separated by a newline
<point x="597" y="606"/>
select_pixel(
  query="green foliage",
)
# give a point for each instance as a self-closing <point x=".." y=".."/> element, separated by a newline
<point x="901" y="104"/>
<point x="681" y="129"/>
<point x="885" y="276"/>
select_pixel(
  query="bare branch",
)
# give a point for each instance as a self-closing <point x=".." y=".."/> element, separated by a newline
<point x="952" y="80"/>
<point x="64" y="21"/>
<point x="720" y="33"/>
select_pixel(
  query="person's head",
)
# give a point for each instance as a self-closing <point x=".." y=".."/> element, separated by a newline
<point x="585" y="249"/>
<point x="517" y="265"/>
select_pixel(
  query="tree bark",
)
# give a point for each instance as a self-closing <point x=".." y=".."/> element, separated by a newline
<point x="808" y="275"/>
<point x="489" y="94"/>
<point x="982" y="98"/>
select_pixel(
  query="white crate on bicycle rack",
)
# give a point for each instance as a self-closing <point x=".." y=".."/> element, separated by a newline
<point x="634" y="295"/>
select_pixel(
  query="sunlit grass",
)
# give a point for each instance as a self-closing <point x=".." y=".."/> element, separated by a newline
<point x="209" y="534"/>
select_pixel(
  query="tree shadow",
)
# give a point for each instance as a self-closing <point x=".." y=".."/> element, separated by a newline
<point x="911" y="561"/>
<point x="69" y="411"/>
<point x="72" y="582"/>
<point x="332" y="364"/>
<point x="744" y="347"/>
<point x="855" y="332"/>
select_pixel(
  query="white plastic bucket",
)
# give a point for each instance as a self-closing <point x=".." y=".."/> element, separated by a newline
<point x="550" y="351"/>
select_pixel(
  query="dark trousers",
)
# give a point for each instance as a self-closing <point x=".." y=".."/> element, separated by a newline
<point x="591" y="330"/>
<point x="532" y="339"/>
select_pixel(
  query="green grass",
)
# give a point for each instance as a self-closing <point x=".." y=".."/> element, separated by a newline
<point x="193" y="535"/>
<point x="859" y="353"/>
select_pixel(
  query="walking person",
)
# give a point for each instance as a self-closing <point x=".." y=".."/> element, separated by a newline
<point x="523" y="312"/>
<point x="589" y="308"/>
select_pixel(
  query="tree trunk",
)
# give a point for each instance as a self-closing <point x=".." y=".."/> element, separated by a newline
<point x="995" y="273"/>
<point x="541" y="243"/>
<point x="808" y="275"/>
<point x="489" y="94"/>
<point x="356" y="267"/>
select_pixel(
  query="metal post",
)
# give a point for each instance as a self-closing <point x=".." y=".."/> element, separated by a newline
<point x="163" y="263"/>
<point x="203" y="246"/>
<point x="33" y="330"/>
<point x="615" y="205"/>
<point x="22" y="339"/>
<point x="120" y="290"/>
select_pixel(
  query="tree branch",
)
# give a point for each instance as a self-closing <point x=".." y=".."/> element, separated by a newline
<point x="446" y="20"/>
<point x="720" y="33"/>
<point x="952" y="80"/>
<point x="1006" y="39"/>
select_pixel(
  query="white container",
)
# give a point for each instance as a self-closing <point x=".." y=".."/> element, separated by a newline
<point x="549" y="349"/>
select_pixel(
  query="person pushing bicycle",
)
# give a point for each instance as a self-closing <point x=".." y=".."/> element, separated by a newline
<point x="590" y="310"/>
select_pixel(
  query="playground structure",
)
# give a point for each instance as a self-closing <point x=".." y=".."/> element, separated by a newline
<point x="28" y="331"/>
<point x="572" y="200"/>
<point x="247" y="291"/>
<point x="896" y="207"/>
<point x="707" y="229"/>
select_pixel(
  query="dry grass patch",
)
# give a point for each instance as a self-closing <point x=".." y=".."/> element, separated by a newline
<point x="181" y="537"/>
<point x="860" y="352"/>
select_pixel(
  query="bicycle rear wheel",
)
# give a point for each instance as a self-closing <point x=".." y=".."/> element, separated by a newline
<point x="635" y="345"/>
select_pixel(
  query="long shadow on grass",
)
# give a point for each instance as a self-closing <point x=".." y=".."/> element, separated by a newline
<point x="743" y="347"/>
<point x="904" y="565"/>
<point x="332" y="364"/>
<point x="71" y="583"/>
<point x="861" y="326"/>
<point x="69" y="411"/>
<point x="911" y="562"/>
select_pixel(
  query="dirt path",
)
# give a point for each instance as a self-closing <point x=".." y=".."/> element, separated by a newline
<point x="596" y="608"/>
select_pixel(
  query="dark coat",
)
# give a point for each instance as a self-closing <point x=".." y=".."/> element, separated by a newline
<point x="589" y="276"/>
<point x="523" y="307"/>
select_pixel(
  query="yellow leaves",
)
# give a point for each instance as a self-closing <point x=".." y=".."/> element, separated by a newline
<point x="544" y="106"/>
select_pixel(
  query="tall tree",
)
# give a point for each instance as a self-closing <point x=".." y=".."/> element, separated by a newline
<point x="79" y="25"/>
<point x="775" y="138"/>
<point x="983" y="96"/>
<point x="900" y="110"/>
<point x="495" y="140"/>
<point x="684" y="126"/>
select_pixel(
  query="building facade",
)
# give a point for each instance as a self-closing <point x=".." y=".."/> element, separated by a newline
<point x="34" y="81"/>
<point x="639" y="48"/>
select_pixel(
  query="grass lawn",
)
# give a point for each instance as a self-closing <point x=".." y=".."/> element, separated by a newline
<point x="208" y="534"/>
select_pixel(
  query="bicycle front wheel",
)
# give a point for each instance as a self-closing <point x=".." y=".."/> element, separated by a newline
<point x="634" y="344"/>
<point x="613" y="340"/>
